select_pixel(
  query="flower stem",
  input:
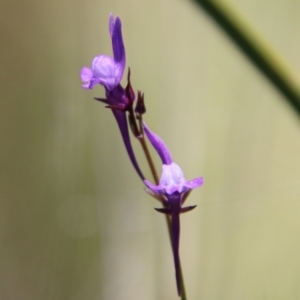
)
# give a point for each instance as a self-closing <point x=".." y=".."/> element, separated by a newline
<point x="142" y="140"/>
<point x="256" y="49"/>
<point x="149" y="159"/>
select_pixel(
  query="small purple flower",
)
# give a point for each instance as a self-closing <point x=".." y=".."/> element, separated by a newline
<point x="172" y="179"/>
<point x="173" y="187"/>
<point x="108" y="72"/>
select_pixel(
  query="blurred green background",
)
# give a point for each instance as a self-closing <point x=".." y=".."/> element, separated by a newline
<point x="75" y="222"/>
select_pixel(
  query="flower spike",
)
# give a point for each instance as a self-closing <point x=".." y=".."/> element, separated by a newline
<point x="140" y="107"/>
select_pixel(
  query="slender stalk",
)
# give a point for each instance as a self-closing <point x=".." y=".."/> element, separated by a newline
<point x="256" y="49"/>
<point x="142" y="140"/>
<point x="149" y="159"/>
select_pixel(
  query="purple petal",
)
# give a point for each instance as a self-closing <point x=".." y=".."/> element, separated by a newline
<point x="156" y="189"/>
<point x="159" y="146"/>
<point x="86" y="75"/>
<point x="118" y="48"/>
<point x="195" y="183"/>
<point x="105" y="71"/>
<point x="160" y="189"/>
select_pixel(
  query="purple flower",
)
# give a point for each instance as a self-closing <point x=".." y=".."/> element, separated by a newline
<point x="108" y="72"/>
<point x="174" y="188"/>
<point x="172" y="179"/>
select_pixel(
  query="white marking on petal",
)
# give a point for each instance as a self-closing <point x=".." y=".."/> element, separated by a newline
<point x="172" y="178"/>
<point x="105" y="71"/>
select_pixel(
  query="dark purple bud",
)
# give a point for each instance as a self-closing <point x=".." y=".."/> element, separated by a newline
<point x="129" y="92"/>
<point x="140" y="107"/>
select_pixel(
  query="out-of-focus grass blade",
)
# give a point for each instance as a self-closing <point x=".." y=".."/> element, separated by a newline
<point x="256" y="49"/>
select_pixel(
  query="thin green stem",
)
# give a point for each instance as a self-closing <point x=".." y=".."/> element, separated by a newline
<point x="256" y="49"/>
<point x="142" y="140"/>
